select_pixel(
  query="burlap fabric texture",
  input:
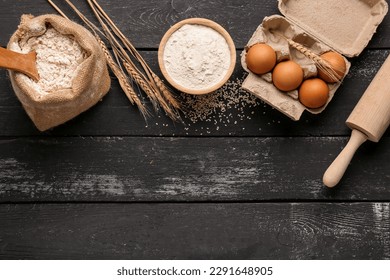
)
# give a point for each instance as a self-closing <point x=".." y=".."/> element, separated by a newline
<point x="90" y="84"/>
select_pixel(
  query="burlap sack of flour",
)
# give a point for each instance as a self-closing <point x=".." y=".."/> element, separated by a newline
<point x="89" y="82"/>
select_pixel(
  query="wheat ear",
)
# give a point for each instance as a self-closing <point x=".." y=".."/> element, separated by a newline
<point x="151" y="92"/>
<point x="136" y="75"/>
<point x="140" y="80"/>
<point x="123" y="80"/>
<point x="146" y="79"/>
<point x="114" y="66"/>
<point x="321" y="64"/>
<point x="166" y="92"/>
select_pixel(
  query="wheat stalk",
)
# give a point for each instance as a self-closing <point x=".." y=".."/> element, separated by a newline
<point x="115" y="67"/>
<point x="145" y="78"/>
<point x="321" y="64"/>
<point x="121" y="56"/>
<point x="149" y="88"/>
<point x="140" y="80"/>
<point x="151" y="91"/>
<point x="123" y="80"/>
<point x="166" y="92"/>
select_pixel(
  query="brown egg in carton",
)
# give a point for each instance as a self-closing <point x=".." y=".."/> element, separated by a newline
<point x="301" y="26"/>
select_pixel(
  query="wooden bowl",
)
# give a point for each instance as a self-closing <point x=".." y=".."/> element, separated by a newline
<point x="208" y="23"/>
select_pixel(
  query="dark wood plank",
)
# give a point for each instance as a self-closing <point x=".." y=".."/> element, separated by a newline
<point x="187" y="169"/>
<point x="145" y="22"/>
<point x="115" y="116"/>
<point x="195" y="231"/>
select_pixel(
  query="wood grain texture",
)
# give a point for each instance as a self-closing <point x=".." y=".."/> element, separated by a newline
<point x="145" y="22"/>
<point x="187" y="169"/>
<point x="114" y="116"/>
<point x="195" y="231"/>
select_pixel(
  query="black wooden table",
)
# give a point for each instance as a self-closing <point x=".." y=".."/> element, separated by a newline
<point x="244" y="183"/>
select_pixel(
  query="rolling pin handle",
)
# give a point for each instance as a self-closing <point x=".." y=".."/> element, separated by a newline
<point x="337" y="169"/>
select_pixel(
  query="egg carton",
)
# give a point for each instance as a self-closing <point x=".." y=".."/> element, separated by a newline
<point x="345" y="27"/>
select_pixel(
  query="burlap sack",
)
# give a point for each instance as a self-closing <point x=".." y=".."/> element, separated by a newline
<point x="90" y="84"/>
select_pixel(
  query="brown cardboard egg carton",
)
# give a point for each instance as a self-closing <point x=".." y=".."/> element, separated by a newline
<point x="342" y="26"/>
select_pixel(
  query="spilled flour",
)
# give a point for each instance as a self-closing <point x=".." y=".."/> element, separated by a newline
<point x="58" y="57"/>
<point x="196" y="57"/>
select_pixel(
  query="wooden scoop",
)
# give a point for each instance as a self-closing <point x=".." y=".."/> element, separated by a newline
<point x="368" y="121"/>
<point x="24" y="63"/>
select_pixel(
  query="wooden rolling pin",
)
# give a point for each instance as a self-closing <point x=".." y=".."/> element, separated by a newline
<point x="25" y="63"/>
<point x="369" y="120"/>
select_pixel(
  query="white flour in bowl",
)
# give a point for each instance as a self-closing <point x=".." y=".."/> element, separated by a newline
<point x="58" y="57"/>
<point x="196" y="57"/>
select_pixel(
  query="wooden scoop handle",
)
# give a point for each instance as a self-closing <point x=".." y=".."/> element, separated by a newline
<point x="25" y="63"/>
<point x="337" y="169"/>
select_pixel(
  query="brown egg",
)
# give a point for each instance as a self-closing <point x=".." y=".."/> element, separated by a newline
<point x="287" y="75"/>
<point x="313" y="93"/>
<point x="337" y="62"/>
<point x="260" y="58"/>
